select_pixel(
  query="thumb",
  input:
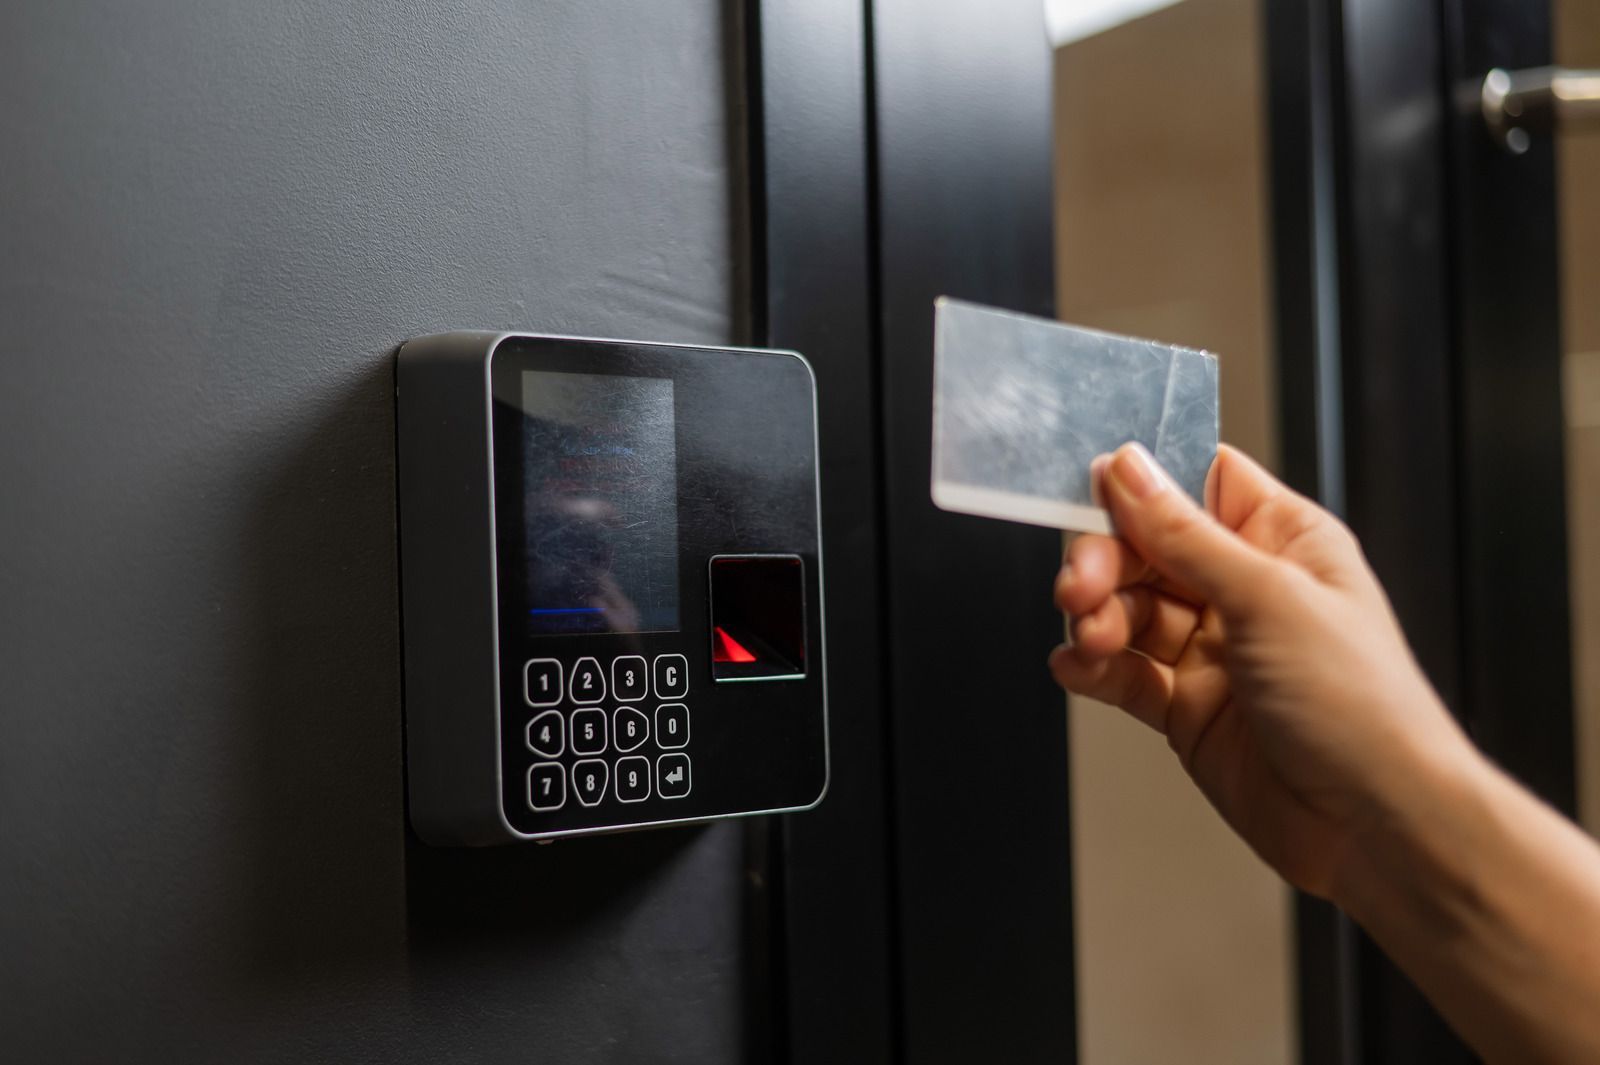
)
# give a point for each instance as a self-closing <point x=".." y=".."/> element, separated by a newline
<point x="1173" y="535"/>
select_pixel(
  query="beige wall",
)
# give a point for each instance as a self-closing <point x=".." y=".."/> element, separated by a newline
<point x="1577" y="27"/>
<point x="1183" y="938"/>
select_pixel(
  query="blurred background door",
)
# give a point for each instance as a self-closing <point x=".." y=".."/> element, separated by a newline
<point x="1576" y="41"/>
<point x="1407" y="311"/>
<point x="1435" y="297"/>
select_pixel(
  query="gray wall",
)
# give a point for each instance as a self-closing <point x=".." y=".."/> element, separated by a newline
<point x="216" y="222"/>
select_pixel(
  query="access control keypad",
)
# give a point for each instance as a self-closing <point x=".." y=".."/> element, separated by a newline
<point x="613" y="611"/>
<point x="591" y="746"/>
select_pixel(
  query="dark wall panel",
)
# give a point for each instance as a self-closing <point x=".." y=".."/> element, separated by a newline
<point x="216" y="222"/>
<point x="963" y="193"/>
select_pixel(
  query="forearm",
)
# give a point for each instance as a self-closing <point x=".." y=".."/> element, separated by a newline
<point x="1491" y="902"/>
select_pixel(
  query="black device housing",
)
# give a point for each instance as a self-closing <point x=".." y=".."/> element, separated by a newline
<point x="746" y="487"/>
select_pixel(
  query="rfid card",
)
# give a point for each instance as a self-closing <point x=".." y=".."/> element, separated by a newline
<point x="1022" y="405"/>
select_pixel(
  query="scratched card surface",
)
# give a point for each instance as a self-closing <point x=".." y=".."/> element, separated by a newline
<point x="1022" y="405"/>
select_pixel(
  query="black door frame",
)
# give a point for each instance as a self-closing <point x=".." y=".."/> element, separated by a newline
<point x="923" y="912"/>
<point x="831" y="930"/>
<point x="963" y="149"/>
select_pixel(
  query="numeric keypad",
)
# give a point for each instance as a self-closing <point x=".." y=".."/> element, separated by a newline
<point x="605" y="752"/>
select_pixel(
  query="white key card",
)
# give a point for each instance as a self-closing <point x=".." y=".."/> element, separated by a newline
<point x="1022" y="405"/>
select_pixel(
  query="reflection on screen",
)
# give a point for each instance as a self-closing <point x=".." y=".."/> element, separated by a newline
<point x="600" y="512"/>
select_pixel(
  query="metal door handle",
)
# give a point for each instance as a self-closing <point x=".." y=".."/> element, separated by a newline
<point x="1519" y="103"/>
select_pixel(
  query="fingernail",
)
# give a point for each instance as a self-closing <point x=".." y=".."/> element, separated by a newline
<point x="1097" y="472"/>
<point x="1136" y="470"/>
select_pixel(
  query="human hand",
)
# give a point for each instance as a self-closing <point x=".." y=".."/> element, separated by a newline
<point x="1258" y="641"/>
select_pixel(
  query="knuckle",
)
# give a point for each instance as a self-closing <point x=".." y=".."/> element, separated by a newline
<point x="1343" y="535"/>
<point x="1301" y="519"/>
<point x="1289" y="518"/>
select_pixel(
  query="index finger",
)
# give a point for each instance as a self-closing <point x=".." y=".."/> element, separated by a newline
<point x="1095" y="566"/>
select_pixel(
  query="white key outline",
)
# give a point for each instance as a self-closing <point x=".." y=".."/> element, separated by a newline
<point x="600" y="675"/>
<point x="616" y="689"/>
<point x="688" y="773"/>
<point x="561" y="775"/>
<point x="617" y="778"/>
<point x="605" y="780"/>
<point x="527" y="690"/>
<point x="660" y="732"/>
<point x="655" y="676"/>
<point x="561" y="747"/>
<point x="572" y="725"/>
<point x="616" y="729"/>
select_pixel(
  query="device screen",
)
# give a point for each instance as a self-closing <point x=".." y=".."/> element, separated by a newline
<point x="600" y="503"/>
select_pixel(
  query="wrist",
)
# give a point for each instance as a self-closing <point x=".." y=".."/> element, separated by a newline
<point x="1414" y="849"/>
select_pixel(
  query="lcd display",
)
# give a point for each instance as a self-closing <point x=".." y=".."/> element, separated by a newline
<point x="600" y="510"/>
